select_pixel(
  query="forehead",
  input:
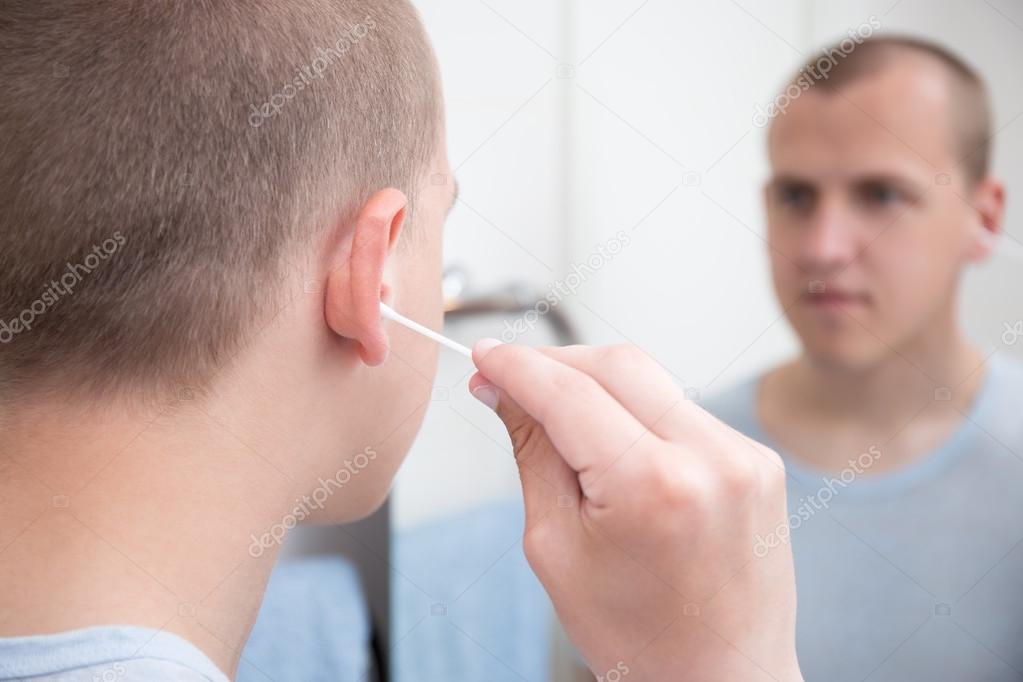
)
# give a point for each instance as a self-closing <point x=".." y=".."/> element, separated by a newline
<point x="895" y="120"/>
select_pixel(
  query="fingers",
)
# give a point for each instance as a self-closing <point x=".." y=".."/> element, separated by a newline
<point x="583" y="421"/>
<point x="548" y="483"/>
<point x="646" y="389"/>
<point x="635" y="380"/>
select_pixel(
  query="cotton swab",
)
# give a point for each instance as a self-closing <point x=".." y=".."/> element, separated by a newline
<point x="390" y="314"/>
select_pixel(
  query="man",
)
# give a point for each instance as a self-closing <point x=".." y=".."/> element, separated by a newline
<point x="902" y="440"/>
<point x="202" y="205"/>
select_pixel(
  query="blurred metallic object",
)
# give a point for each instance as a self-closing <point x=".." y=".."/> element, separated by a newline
<point x="515" y="298"/>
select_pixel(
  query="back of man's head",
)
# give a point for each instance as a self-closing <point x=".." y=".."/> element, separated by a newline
<point x="158" y="160"/>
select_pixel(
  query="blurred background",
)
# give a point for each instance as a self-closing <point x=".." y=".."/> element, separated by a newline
<point x="610" y="151"/>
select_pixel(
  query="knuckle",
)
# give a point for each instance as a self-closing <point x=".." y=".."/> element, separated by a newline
<point x="675" y="489"/>
<point x="773" y="471"/>
<point x="741" y="465"/>
<point x="622" y="355"/>
<point x="499" y="356"/>
<point x="537" y="544"/>
<point x="775" y="460"/>
<point x="499" y="360"/>
<point x="739" y="478"/>
<point x="573" y="382"/>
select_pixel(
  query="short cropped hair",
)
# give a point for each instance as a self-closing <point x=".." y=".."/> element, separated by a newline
<point x="159" y="159"/>
<point x="969" y="98"/>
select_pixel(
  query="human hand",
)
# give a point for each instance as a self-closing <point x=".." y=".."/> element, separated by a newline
<point x="641" y="510"/>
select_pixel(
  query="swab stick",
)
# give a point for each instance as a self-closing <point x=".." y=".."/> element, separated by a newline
<point x="387" y="312"/>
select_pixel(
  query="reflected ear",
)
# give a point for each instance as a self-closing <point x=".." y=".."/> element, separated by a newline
<point x="988" y="202"/>
<point x="357" y="285"/>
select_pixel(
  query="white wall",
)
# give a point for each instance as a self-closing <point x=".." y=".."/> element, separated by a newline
<point x="504" y="110"/>
<point x="571" y="121"/>
<point x="665" y="148"/>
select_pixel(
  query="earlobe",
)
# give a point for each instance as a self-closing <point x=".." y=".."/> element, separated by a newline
<point x="356" y="287"/>
<point x="989" y="206"/>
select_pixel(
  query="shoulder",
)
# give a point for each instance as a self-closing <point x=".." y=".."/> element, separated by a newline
<point x="107" y="652"/>
<point x="1008" y="370"/>
<point x="1003" y="386"/>
<point x="995" y="412"/>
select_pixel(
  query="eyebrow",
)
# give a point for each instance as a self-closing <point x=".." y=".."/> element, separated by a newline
<point x="788" y="179"/>
<point x="882" y="176"/>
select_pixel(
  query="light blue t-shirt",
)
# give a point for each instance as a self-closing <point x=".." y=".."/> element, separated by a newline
<point x="105" y="654"/>
<point x="312" y="626"/>
<point x="915" y="574"/>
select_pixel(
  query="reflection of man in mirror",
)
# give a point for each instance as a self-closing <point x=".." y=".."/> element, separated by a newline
<point x="902" y="440"/>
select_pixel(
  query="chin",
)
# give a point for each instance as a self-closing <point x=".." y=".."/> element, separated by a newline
<point x="844" y="355"/>
<point x="840" y="343"/>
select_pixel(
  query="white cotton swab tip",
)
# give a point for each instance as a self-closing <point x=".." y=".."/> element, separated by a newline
<point x="390" y="314"/>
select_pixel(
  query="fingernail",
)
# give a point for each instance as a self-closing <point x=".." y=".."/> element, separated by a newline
<point x="487" y="395"/>
<point x="484" y="346"/>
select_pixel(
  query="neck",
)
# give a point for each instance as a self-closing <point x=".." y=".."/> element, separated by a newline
<point x="136" y="519"/>
<point x="909" y="401"/>
<point x="886" y="390"/>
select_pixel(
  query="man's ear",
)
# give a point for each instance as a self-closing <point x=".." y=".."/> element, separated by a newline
<point x="988" y="203"/>
<point x="356" y="285"/>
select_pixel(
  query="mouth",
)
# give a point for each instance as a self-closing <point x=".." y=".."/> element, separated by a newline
<point x="835" y="299"/>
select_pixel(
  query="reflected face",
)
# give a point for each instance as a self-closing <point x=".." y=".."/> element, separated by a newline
<point x="867" y="213"/>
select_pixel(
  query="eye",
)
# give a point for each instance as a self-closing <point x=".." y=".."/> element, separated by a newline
<point x="882" y="194"/>
<point x="794" y="195"/>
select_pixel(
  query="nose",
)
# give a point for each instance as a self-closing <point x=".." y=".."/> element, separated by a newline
<point x="829" y="241"/>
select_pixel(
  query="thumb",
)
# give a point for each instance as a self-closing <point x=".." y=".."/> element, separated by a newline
<point x="548" y="483"/>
